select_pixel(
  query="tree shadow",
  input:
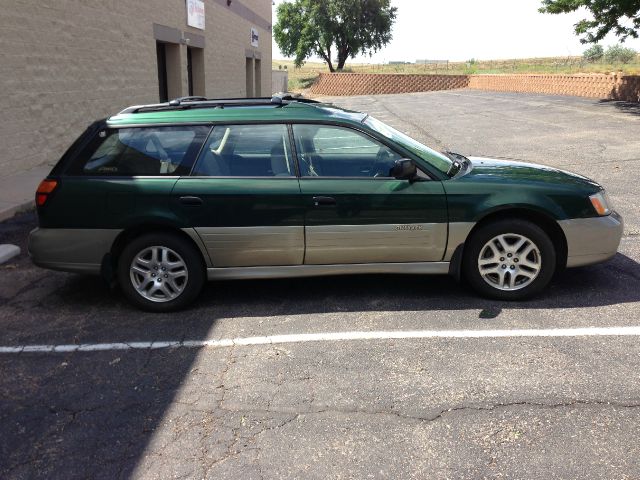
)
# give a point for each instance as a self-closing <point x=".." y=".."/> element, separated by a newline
<point x="631" y="108"/>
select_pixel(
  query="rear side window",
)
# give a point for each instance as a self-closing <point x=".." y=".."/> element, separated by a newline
<point x="153" y="151"/>
<point x="247" y="151"/>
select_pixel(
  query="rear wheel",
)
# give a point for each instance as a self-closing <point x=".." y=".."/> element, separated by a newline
<point x="160" y="272"/>
<point x="509" y="260"/>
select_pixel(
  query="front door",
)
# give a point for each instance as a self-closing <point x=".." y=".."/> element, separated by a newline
<point x="243" y="197"/>
<point x="354" y="211"/>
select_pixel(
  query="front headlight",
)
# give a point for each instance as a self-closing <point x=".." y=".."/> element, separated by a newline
<point x="601" y="203"/>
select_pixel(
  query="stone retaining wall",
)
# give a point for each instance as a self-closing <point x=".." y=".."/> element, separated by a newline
<point x="611" y="87"/>
<point x="374" y="84"/>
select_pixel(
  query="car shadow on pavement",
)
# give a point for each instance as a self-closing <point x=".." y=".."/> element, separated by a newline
<point x="86" y="311"/>
<point x="607" y="284"/>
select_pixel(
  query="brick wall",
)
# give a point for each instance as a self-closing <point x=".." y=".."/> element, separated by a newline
<point x="66" y="63"/>
<point x="372" y="84"/>
<point x="615" y="87"/>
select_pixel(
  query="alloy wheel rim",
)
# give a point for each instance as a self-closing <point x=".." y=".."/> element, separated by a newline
<point x="158" y="274"/>
<point x="509" y="262"/>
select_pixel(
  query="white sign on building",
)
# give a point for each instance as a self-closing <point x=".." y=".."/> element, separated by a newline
<point x="195" y="14"/>
<point x="254" y="37"/>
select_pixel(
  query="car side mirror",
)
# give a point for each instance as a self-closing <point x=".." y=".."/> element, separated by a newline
<point x="404" y="169"/>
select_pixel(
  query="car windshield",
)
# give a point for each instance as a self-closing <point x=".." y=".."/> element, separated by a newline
<point x="438" y="160"/>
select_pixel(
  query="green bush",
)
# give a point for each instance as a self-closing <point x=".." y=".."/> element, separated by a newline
<point x="620" y="54"/>
<point x="593" y="54"/>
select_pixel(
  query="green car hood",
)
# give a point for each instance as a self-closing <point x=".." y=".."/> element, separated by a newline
<point x="491" y="185"/>
<point x="512" y="171"/>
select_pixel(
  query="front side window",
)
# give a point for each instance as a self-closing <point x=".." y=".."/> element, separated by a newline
<point x="246" y="151"/>
<point x="142" y="151"/>
<point x="438" y="160"/>
<point x="331" y="151"/>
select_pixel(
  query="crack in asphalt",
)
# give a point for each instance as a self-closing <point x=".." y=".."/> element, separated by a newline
<point x="234" y="431"/>
<point x="14" y="300"/>
<point x="233" y="452"/>
<point x="440" y="413"/>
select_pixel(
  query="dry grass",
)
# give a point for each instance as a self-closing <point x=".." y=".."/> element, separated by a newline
<point x="302" y="78"/>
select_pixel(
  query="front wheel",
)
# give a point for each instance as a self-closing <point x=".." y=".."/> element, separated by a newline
<point x="160" y="272"/>
<point x="509" y="260"/>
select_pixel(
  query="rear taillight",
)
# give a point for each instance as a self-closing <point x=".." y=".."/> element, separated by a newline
<point x="45" y="189"/>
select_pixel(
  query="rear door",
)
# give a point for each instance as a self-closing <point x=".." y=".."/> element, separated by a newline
<point x="243" y="197"/>
<point x="354" y="211"/>
<point x="124" y="176"/>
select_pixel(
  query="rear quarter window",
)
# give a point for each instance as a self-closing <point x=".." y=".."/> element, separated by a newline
<point x="141" y="151"/>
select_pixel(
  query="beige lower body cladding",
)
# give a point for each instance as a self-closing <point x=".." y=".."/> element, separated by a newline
<point x="610" y="87"/>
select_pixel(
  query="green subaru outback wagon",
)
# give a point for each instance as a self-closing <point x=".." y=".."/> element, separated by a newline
<point x="163" y="197"/>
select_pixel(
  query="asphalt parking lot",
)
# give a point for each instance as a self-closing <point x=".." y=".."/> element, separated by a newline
<point x="538" y="393"/>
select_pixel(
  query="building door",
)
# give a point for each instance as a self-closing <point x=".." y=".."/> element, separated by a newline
<point x="195" y="71"/>
<point x="169" y="70"/>
<point x="190" y="70"/>
<point x="257" y="78"/>
<point x="249" y="74"/>
<point x="161" y="53"/>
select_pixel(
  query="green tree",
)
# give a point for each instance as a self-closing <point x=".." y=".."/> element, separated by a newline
<point x="593" y="53"/>
<point x="622" y="17"/>
<point x="321" y="27"/>
<point x="619" y="54"/>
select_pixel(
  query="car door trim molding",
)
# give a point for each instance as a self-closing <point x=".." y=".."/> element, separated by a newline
<point x="229" y="247"/>
<point x="400" y="242"/>
<point x="237" y="177"/>
<point x="291" y="271"/>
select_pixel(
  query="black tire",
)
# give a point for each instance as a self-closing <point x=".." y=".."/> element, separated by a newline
<point x="480" y="238"/>
<point x="191" y="258"/>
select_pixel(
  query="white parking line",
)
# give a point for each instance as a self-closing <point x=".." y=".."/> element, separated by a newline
<point x="632" y="331"/>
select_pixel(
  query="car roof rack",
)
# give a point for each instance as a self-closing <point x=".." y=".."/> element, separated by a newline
<point x="184" y="103"/>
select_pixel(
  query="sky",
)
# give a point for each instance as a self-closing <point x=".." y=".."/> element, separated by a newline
<point x="458" y="30"/>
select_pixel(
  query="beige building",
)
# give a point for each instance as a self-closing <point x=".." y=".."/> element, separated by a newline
<point x="66" y="63"/>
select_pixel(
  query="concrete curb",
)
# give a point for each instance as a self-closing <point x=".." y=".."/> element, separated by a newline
<point x="8" y="251"/>
<point x="12" y="211"/>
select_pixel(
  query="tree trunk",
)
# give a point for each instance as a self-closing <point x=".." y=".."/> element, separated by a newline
<point x="343" y="56"/>
<point x="326" y="56"/>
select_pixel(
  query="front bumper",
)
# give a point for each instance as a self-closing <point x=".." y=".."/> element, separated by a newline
<point x="70" y="250"/>
<point x="592" y="240"/>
